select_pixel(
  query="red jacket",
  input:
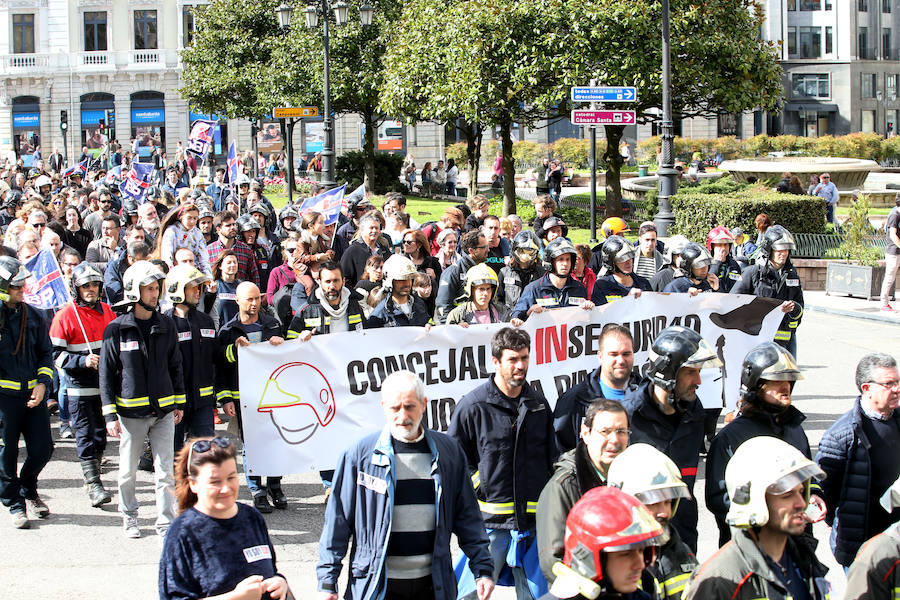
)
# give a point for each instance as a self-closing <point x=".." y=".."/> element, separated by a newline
<point x="588" y="279"/>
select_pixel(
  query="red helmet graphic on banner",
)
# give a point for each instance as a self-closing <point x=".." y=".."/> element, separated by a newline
<point x="295" y="409"/>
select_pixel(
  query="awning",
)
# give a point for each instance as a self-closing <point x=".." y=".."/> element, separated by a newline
<point x="811" y="106"/>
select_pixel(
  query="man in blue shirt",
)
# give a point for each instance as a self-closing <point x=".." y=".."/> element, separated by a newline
<point x="828" y="192"/>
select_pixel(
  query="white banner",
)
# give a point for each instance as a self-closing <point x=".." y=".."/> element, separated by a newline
<point x="303" y="403"/>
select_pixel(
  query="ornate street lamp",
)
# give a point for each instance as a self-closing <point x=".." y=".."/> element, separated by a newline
<point x="666" y="173"/>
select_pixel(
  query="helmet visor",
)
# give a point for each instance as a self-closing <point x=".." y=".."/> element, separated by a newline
<point x="657" y="540"/>
<point x="662" y="494"/>
<point x="704" y="358"/>
<point x="526" y="255"/>
<point x="785" y="369"/>
<point x="791" y="480"/>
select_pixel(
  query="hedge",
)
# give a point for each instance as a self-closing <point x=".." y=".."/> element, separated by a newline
<point x="697" y="213"/>
<point x="350" y="167"/>
<point x="870" y="146"/>
<point x="573" y="152"/>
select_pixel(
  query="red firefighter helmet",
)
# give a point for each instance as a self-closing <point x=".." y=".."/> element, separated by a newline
<point x="719" y="235"/>
<point x="606" y="519"/>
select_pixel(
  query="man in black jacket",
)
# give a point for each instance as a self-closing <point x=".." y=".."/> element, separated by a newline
<point x="505" y="428"/>
<point x="473" y="248"/>
<point x="198" y="346"/>
<point x="767" y="380"/>
<point x="666" y="413"/>
<point x="142" y="392"/>
<point x="612" y="379"/>
<point x="250" y="326"/>
<point x="331" y="308"/>
<point x="859" y="456"/>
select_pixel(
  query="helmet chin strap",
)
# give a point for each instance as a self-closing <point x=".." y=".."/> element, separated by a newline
<point x="146" y="306"/>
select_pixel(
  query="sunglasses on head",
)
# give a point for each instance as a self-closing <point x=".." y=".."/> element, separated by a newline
<point x="201" y="446"/>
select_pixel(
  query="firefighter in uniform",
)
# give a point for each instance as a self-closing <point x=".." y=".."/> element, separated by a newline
<point x="694" y="277"/>
<point x="26" y="372"/>
<point x="618" y="278"/>
<point x="198" y="345"/>
<point x="250" y="326"/>
<point x="773" y="276"/>
<point x="331" y="308"/>
<point x="556" y="289"/>
<point x="79" y="357"/>
<point x="768" y="557"/>
<point x="142" y="392"/>
<point x="650" y="476"/>
<point x="610" y="539"/>
<point x="505" y="428"/>
<point x="719" y="241"/>
<point x="524" y="267"/>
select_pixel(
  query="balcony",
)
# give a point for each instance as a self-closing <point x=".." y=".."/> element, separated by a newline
<point x="22" y="63"/>
<point x="145" y="58"/>
<point x="101" y="59"/>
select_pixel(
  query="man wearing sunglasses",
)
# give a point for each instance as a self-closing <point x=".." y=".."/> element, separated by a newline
<point x="859" y="456"/>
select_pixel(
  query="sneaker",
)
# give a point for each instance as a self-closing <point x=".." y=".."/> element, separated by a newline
<point x="261" y="503"/>
<point x="65" y="431"/>
<point x="130" y="527"/>
<point x="20" y="520"/>
<point x="887" y="308"/>
<point x="278" y="498"/>
<point x="38" y="507"/>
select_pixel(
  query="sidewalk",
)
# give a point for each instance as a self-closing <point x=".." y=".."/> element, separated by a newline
<point x="846" y="306"/>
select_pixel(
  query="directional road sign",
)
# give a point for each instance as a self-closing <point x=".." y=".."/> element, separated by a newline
<point x="586" y="93"/>
<point x="603" y="117"/>
<point x="295" y="111"/>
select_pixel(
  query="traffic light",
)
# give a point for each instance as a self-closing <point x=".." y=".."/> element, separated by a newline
<point x="63" y="120"/>
<point x="101" y="124"/>
<point x="110" y="118"/>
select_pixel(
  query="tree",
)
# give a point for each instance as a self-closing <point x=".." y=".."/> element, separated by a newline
<point x="240" y="54"/>
<point x="719" y="62"/>
<point x="493" y="63"/>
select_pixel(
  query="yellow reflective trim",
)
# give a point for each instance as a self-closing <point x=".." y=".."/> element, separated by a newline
<point x="180" y="399"/>
<point x="476" y="479"/>
<point x="32" y="383"/>
<point x="10" y="384"/>
<point x="168" y="400"/>
<point x="896" y="593"/>
<point x="206" y="391"/>
<point x="354" y="319"/>
<point x="45" y="371"/>
<point x="675" y="585"/>
<point x="531" y="507"/>
<point x="312" y="322"/>
<point x="613" y="298"/>
<point x="229" y="353"/>
<point x="109" y="409"/>
<point x="223" y="395"/>
<point x="292" y="335"/>
<point x="782" y="336"/>
<point x="133" y="402"/>
<point x="497" y="508"/>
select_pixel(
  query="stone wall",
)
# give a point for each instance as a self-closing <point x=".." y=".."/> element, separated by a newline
<point x="811" y="272"/>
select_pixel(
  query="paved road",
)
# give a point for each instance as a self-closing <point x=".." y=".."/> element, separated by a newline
<point x="79" y="552"/>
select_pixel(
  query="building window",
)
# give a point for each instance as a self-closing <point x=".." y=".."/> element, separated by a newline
<point x="863" y="5"/>
<point x="792" y="4"/>
<point x="145" y="30"/>
<point x="890" y="122"/>
<point x="792" y="41"/>
<point x="23" y="34"/>
<point x="863" y="42"/>
<point x="890" y="87"/>
<point x="810" y="4"/>
<point x="95" y="32"/>
<point x="187" y="22"/>
<point x="867" y="121"/>
<point x="885" y="6"/>
<point x="827" y="4"/>
<point x="829" y="43"/>
<point x="810" y="85"/>
<point x="810" y="42"/>
<point x="886" y="43"/>
<point x="868" y="86"/>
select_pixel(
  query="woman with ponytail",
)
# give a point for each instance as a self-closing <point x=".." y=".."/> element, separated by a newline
<point x="216" y="547"/>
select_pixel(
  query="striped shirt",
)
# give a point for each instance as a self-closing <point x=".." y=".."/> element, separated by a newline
<point x="411" y="542"/>
<point x="247" y="269"/>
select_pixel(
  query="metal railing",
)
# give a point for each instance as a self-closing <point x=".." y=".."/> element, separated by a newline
<point x="635" y="210"/>
<point x="825" y="245"/>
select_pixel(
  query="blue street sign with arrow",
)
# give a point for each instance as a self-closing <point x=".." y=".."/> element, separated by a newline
<point x="585" y="93"/>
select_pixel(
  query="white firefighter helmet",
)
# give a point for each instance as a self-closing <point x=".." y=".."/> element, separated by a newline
<point x="295" y="411"/>
<point x="41" y="181"/>
<point x="478" y="275"/>
<point x="143" y="272"/>
<point x="647" y="474"/>
<point x="761" y="465"/>
<point x="181" y="276"/>
<point x="396" y="268"/>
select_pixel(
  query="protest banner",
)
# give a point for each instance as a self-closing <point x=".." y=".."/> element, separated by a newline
<point x="303" y="403"/>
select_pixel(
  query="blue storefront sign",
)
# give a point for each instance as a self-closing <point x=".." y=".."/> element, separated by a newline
<point x="91" y="118"/>
<point x="29" y="120"/>
<point x="155" y="116"/>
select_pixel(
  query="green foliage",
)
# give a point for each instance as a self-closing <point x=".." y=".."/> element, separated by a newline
<point x="869" y="146"/>
<point x="697" y="213"/>
<point x="457" y="152"/>
<point x="350" y="166"/>
<point x="856" y="246"/>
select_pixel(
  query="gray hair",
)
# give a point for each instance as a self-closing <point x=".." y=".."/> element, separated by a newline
<point x="515" y="219"/>
<point x="402" y="381"/>
<point x="865" y="370"/>
<point x="370" y="218"/>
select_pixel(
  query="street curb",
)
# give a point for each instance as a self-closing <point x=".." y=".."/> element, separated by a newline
<point x="852" y="314"/>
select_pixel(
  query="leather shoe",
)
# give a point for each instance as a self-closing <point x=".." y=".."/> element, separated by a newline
<point x="261" y="503"/>
<point x="278" y="498"/>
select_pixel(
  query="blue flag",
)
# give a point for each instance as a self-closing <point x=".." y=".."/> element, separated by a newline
<point x="137" y="181"/>
<point x="45" y="287"/>
<point x="114" y="175"/>
<point x="232" y="162"/>
<point x="328" y="203"/>
<point x="80" y="168"/>
<point x="201" y="137"/>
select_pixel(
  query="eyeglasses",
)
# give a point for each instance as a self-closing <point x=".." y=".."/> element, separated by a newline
<point x="201" y="446"/>
<point x="891" y="385"/>
<point x="606" y="432"/>
<point x="38" y="224"/>
<point x="409" y="241"/>
<point x="825" y="177"/>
